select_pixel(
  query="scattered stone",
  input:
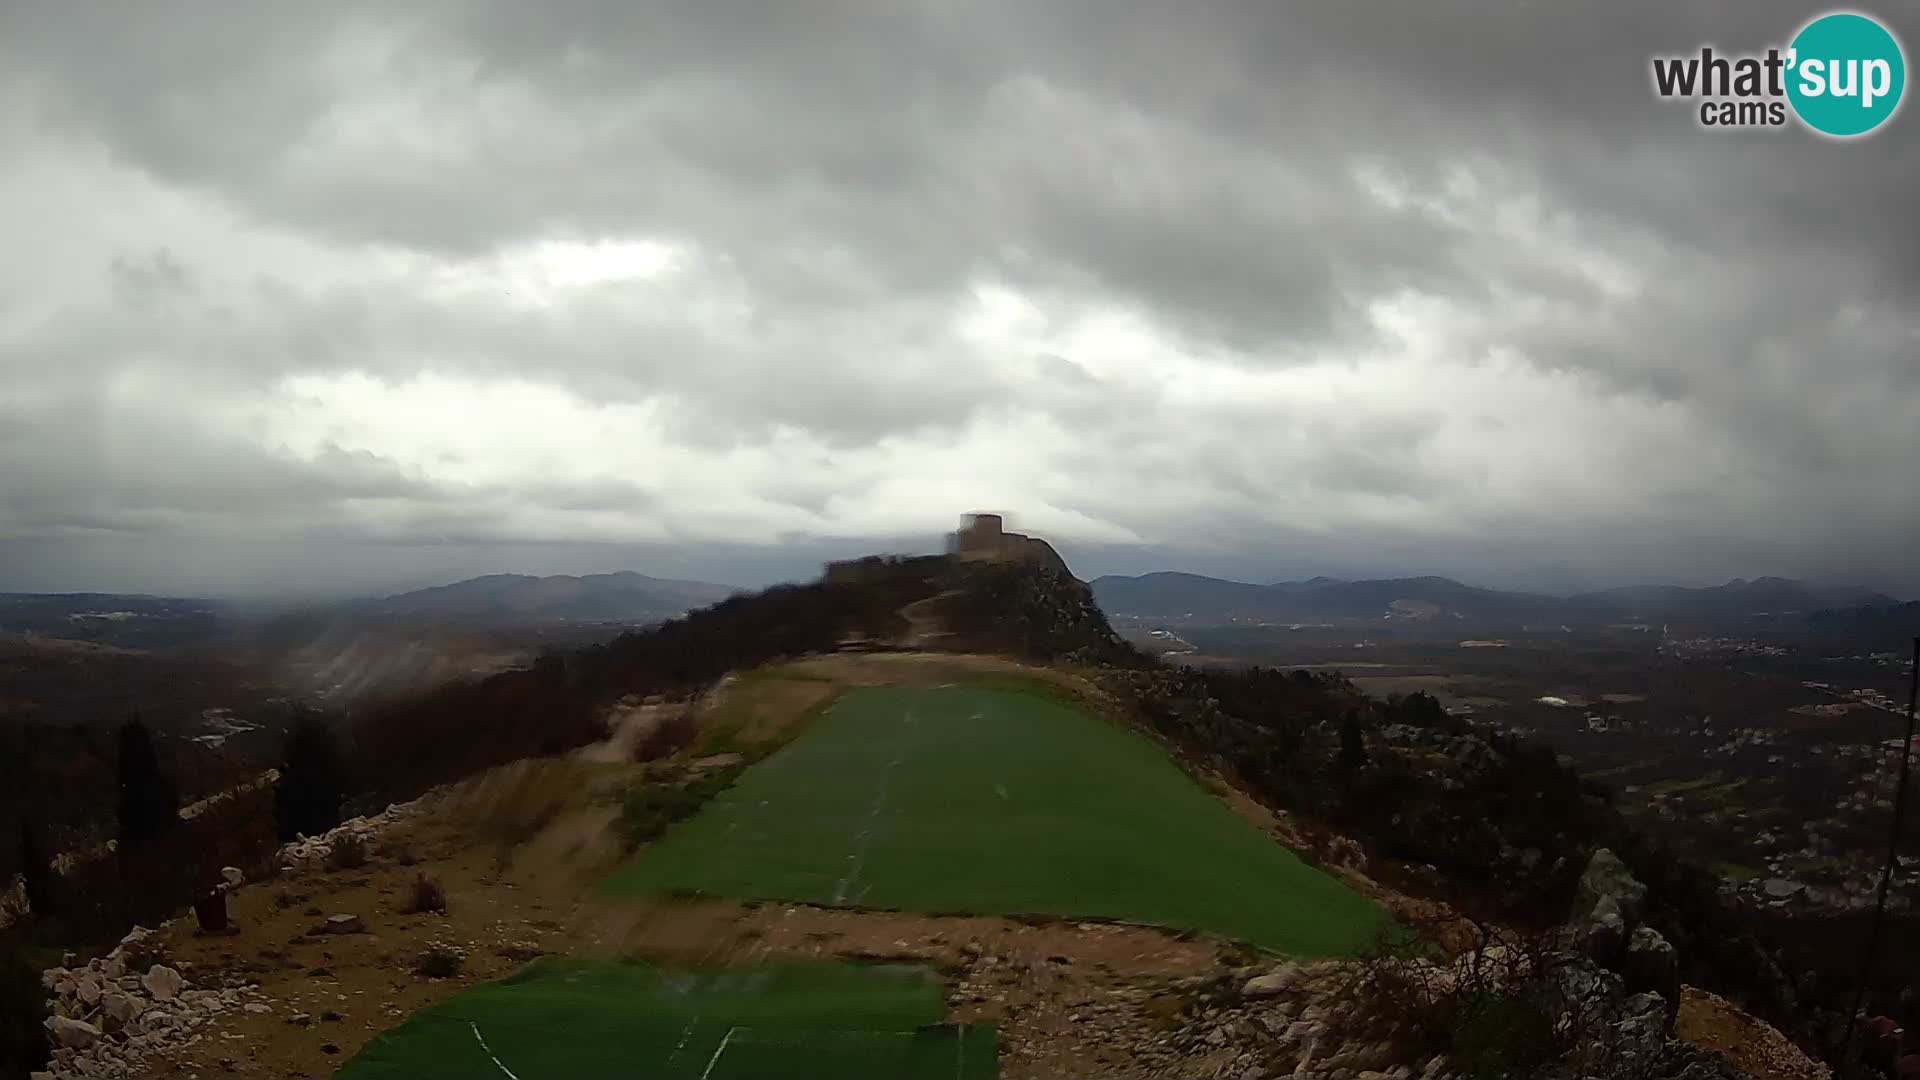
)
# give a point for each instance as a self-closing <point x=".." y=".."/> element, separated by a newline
<point x="519" y="951"/>
<point x="121" y="1008"/>
<point x="313" y="852"/>
<point x="343" y="924"/>
<point x="77" y="1034"/>
<point x="1273" y="984"/>
<point x="163" y="982"/>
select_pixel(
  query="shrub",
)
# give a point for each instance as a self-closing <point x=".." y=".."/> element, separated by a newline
<point x="648" y="810"/>
<point x="348" y="852"/>
<point x="440" y="960"/>
<point x="427" y="895"/>
<point x="1504" y="1034"/>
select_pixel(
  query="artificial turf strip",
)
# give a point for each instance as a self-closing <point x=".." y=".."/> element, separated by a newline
<point x="969" y="800"/>
<point x="804" y="1019"/>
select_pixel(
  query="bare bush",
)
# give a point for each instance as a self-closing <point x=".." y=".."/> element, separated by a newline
<point x="427" y="895"/>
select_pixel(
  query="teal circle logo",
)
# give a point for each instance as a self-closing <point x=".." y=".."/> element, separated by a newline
<point x="1846" y="74"/>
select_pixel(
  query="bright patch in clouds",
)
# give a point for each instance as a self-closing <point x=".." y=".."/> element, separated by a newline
<point x="572" y="265"/>
<point x="553" y="273"/>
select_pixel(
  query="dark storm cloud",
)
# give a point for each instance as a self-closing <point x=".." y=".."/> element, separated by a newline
<point x="1439" y="286"/>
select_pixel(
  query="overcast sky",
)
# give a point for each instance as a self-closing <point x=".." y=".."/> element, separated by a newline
<point x="319" y="297"/>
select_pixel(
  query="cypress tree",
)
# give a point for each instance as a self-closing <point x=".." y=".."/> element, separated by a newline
<point x="148" y="806"/>
<point x="312" y="780"/>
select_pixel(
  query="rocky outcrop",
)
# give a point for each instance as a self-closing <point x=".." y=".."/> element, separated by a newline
<point x="310" y="852"/>
<point x="1652" y="965"/>
<point x="1605" y="926"/>
<point x="1608" y="887"/>
<point x="1315" y="1019"/>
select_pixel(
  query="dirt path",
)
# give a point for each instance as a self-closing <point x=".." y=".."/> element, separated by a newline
<point x="924" y="629"/>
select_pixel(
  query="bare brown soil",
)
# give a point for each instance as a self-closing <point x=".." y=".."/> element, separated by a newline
<point x="353" y="986"/>
<point x="1712" y="1023"/>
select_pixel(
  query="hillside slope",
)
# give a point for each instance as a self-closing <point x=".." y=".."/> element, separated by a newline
<point x="623" y="596"/>
<point x="1397" y="794"/>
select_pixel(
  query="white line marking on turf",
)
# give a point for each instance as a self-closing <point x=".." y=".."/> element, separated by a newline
<point x="864" y="838"/>
<point x="717" y="1051"/>
<point x="684" y="1036"/>
<point x="489" y="1050"/>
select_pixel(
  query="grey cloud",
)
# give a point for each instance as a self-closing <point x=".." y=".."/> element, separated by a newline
<point x="1254" y="182"/>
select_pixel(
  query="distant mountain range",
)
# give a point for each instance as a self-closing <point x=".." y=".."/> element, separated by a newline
<point x="118" y="619"/>
<point x="619" y="597"/>
<point x="492" y="602"/>
<point x="1192" y="596"/>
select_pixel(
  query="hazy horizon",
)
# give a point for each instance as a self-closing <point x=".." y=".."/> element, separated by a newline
<point x="762" y="567"/>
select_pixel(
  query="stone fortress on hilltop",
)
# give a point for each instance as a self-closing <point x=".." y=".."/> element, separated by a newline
<point x="980" y="538"/>
<point x="983" y="537"/>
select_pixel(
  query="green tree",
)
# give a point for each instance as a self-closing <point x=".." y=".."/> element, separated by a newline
<point x="313" y="780"/>
<point x="1353" y="746"/>
<point x="148" y="806"/>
